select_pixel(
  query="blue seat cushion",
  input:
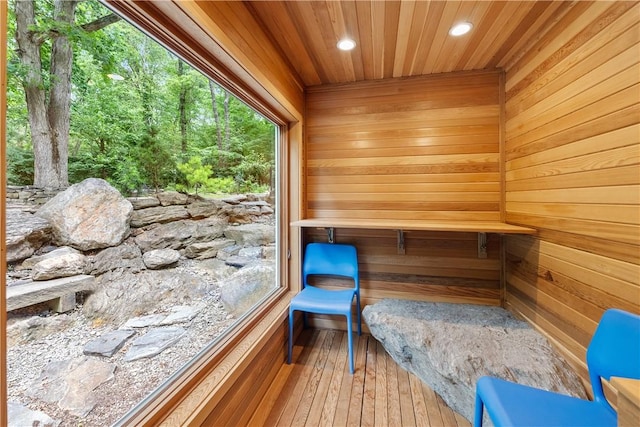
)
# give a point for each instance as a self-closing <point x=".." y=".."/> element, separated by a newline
<point x="323" y="301"/>
<point x="511" y="404"/>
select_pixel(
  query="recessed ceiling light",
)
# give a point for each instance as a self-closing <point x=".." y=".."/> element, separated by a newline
<point x="460" y="29"/>
<point x="346" y="44"/>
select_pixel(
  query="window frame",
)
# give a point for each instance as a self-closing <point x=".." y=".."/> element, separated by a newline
<point x="185" y="397"/>
<point x="3" y="197"/>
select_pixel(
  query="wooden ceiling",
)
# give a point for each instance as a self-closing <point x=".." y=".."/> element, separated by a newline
<point x="399" y="38"/>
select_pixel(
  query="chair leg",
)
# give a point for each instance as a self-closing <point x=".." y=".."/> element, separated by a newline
<point x="350" y="341"/>
<point x="359" y="315"/>
<point x="477" y="421"/>
<point x="290" y="336"/>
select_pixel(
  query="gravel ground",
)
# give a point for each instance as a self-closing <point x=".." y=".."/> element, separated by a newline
<point x="133" y="380"/>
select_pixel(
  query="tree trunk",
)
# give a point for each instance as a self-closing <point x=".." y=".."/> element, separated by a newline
<point x="49" y="118"/>
<point x="59" y="107"/>
<point x="182" y="108"/>
<point x="216" y="117"/>
<point x="29" y="53"/>
<point x="227" y="125"/>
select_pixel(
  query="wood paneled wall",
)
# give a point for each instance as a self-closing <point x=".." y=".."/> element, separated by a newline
<point x="572" y="172"/>
<point x="419" y="148"/>
<point x="422" y="148"/>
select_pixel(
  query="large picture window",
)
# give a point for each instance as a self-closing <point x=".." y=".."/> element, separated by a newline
<point x="185" y="174"/>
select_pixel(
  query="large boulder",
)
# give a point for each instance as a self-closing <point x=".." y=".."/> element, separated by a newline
<point x="450" y="346"/>
<point x="247" y="286"/>
<point x="88" y="215"/>
<point x="55" y="252"/>
<point x="25" y="234"/>
<point x="180" y="234"/>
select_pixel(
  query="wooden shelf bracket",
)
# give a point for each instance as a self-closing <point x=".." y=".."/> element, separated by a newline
<point x="482" y="245"/>
<point x="401" y="248"/>
<point x="331" y="234"/>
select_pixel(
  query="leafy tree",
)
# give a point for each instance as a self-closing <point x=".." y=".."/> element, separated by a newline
<point x="48" y="88"/>
<point x="136" y="111"/>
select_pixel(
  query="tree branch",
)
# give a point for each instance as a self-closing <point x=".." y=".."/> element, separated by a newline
<point x="89" y="27"/>
<point x="100" y="23"/>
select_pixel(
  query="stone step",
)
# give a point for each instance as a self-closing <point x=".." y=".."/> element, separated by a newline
<point x="61" y="292"/>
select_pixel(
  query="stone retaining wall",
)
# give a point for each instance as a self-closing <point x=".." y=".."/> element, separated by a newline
<point x="30" y="198"/>
<point x="30" y="195"/>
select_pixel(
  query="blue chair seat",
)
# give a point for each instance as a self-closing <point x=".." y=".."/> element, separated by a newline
<point x="321" y="301"/>
<point x="520" y="405"/>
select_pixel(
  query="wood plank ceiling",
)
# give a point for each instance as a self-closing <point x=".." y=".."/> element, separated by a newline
<point x="399" y="38"/>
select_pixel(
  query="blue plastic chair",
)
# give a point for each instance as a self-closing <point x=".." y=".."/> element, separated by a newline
<point x="614" y="351"/>
<point x="328" y="259"/>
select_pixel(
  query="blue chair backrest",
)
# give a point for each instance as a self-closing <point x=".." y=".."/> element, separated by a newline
<point x="614" y="350"/>
<point x="330" y="259"/>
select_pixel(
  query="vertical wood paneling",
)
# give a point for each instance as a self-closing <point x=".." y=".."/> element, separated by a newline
<point x="573" y="173"/>
<point x="424" y="148"/>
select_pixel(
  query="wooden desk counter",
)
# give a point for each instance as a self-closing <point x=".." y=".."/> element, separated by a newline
<point x="480" y="227"/>
<point x="417" y="225"/>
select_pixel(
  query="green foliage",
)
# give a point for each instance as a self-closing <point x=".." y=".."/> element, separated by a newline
<point x="253" y="174"/>
<point x="196" y="174"/>
<point x="128" y="130"/>
<point x="221" y="185"/>
<point x="19" y="165"/>
<point x="127" y="177"/>
<point x="154" y="160"/>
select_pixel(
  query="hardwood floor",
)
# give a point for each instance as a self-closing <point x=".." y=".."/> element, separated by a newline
<point x="318" y="390"/>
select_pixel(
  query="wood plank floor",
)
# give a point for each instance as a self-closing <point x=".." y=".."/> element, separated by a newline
<point x="318" y="390"/>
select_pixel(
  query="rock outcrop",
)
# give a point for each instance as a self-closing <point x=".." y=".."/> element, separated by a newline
<point x="71" y="383"/>
<point x="251" y="234"/>
<point x="247" y="286"/>
<point x="121" y="295"/>
<point x="450" y="346"/>
<point x="21" y="416"/>
<point x="180" y="234"/>
<point x="169" y="268"/>
<point x="26" y="233"/>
